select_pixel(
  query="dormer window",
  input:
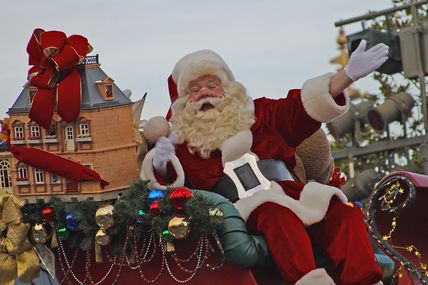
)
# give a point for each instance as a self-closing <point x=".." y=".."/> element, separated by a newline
<point x="109" y="91"/>
<point x="106" y="88"/>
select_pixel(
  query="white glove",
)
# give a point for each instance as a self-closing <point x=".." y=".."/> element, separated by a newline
<point x="164" y="150"/>
<point x="362" y="63"/>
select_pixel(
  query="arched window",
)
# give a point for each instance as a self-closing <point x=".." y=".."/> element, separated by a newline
<point x="35" y="133"/>
<point x="84" y="130"/>
<point x="5" y="180"/>
<point x="22" y="170"/>
<point x="18" y="130"/>
<point x="39" y="176"/>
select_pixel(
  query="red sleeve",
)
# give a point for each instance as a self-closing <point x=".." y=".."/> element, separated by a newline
<point x="171" y="172"/>
<point x="288" y="117"/>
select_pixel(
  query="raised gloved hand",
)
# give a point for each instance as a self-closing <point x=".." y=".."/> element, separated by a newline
<point x="362" y="62"/>
<point x="164" y="149"/>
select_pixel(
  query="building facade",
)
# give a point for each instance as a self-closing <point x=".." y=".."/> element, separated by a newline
<point x="102" y="138"/>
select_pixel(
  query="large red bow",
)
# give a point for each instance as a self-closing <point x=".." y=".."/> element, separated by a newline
<point x="54" y="58"/>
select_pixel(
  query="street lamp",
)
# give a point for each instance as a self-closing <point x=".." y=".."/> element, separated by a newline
<point x="374" y="37"/>
<point x="395" y="108"/>
<point x="353" y="120"/>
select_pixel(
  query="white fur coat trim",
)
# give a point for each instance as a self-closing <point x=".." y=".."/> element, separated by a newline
<point x="317" y="276"/>
<point x="318" y="102"/>
<point x="310" y="208"/>
<point x="148" y="172"/>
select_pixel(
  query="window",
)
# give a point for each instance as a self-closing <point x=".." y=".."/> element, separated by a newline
<point x="109" y="91"/>
<point x="34" y="132"/>
<point x="39" y="176"/>
<point x="69" y="133"/>
<point x="55" y="179"/>
<point x="5" y="174"/>
<point x="51" y="133"/>
<point x="22" y="172"/>
<point x="84" y="129"/>
<point x="18" y="132"/>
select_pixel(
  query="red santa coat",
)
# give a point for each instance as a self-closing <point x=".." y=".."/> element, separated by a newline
<point x="281" y="125"/>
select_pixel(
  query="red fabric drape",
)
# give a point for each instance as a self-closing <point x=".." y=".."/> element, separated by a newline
<point x="55" y="164"/>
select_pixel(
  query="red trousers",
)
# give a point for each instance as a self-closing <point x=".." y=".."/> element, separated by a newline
<point x="341" y="235"/>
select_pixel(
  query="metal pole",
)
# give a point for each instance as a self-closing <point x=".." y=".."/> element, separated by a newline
<point x="375" y="14"/>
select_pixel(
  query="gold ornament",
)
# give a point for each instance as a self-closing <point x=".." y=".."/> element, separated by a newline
<point x="39" y="233"/>
<point x="178" y="227"/>
<point x="104" y="216"/>
<point x="17" y="256"/>
<point x="102" y="238"/>
<point x="216" y="212"/>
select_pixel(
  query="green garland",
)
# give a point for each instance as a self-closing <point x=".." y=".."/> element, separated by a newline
<point x="131" y="209"/>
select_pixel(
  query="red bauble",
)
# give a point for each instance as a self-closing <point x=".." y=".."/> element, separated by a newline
<point x="154" y="208"/>
<point x="47" y="214"/>
<point x="179" y="196"/>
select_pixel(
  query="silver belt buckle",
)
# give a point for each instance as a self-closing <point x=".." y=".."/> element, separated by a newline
<point x="246" y="175"/>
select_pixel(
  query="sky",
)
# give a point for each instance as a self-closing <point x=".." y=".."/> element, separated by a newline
<point x="271" y="46"/>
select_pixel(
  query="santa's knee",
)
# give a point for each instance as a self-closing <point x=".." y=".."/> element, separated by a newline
<point x="275" y="215"/>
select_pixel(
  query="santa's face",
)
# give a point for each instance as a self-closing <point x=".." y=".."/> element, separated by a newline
<point x="205" y="93"/>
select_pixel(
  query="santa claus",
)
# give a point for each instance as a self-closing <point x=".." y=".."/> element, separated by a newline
<point x="217" y="125"/>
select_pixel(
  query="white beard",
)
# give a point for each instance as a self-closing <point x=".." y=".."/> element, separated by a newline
<point x="205" y="131"/>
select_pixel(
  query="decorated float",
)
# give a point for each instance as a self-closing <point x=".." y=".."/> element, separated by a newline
<point x="74" y="211"/>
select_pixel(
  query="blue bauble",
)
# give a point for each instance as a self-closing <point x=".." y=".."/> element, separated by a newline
<point x="71" y="223"/>
<point x="154" y="195"/>
<point x="358" y="204"/>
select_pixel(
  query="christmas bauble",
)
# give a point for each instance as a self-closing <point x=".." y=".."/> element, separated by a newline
<point x="104" y="216"/>
<point x="166" y="236"/>
<point x="179" y="228"/>
<point x="71" y="222"/>
<point x="155" y="209"/>
<point x="179" y="196"/>
<point x="154" y="195"/>
<point x="102" y="237"/>
<point x="47" y="214"/>
<point x="63" y="233"/>
<point x="39" y="233"/>
<point x="140" y="216"/>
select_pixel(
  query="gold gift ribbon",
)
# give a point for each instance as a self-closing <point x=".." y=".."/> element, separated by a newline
<point x="17" y="255"/>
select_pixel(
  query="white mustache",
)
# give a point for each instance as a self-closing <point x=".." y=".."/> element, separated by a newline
<point x="215" y="101"/>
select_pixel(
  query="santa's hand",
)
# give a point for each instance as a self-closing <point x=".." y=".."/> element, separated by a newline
<point x="362" y="62"/>
<point x="164" y="150"/>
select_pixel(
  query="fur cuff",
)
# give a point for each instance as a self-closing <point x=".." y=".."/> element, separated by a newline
<point x="148" y="173"/>
<point x="236" y="146"/>
<point x="317" y="276"/>
<point x="318" y="102"/>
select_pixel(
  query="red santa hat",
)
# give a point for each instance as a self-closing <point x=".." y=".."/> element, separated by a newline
<point x="192" y="66"/>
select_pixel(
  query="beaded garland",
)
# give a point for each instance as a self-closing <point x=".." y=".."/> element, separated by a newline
<point x="144" y="251"/>
<point x="136" y="236"/>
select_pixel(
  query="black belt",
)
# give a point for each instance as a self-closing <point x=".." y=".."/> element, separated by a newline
<point x="272" y="169"/>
